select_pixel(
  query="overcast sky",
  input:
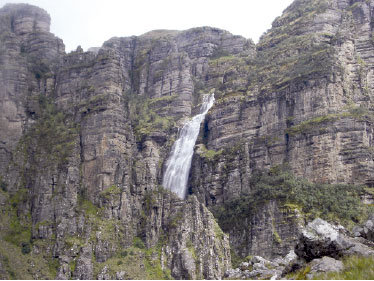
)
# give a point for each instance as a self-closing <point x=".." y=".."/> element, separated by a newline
<point x="91" y="22"/>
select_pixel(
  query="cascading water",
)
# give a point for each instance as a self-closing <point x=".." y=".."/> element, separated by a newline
<point x="179" y="163"/>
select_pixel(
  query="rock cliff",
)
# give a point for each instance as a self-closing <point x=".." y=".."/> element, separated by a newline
<point x="303" y="99"/>
<point x="85" y="135"/>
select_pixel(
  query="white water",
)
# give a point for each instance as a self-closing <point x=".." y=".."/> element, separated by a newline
<point x="179" y="163"/>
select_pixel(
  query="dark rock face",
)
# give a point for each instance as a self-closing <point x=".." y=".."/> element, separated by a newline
<point x="269" y="232"/>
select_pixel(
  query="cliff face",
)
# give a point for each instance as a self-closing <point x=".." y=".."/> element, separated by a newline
<point x="85" y="136"/>
<point x="306" y="102"/>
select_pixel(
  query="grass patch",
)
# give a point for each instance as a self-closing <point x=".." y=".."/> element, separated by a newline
<point x="355" y="268"/>
<point x="110" y="191"/>
<point x="145" y="120"/>
<point x="208" y="154"/>
<point x="357" y="113"/>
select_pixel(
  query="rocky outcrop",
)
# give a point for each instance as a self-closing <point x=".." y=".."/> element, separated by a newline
<point x="319" y="242"/>
<point x="259" y="268"/>
<point x="321" y="239"/>
<point x="366" y="230"/>
<point x="324" y="265"/>
<point x="197" y="247"/>
<point x="267" y="229"/>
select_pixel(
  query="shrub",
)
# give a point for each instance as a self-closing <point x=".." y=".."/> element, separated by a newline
<point x="52" y="137"/>
<point x="26" y="248"/>
<point x="3" y="184"/>
<point x="339" y="202"/>
<point x="138" y="243"/>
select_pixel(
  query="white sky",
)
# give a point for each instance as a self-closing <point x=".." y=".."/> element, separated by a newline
<point x="91" y="22"/>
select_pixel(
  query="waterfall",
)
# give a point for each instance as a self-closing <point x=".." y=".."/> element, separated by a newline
<point x="179" y="163"/>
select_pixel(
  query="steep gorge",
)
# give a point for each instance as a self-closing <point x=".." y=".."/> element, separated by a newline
<point x="85" y="138"/>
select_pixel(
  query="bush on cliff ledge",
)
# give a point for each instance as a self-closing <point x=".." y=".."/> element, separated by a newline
<point x="336" y="202"/>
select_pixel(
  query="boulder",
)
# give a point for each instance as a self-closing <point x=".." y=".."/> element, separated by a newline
<point x="259" y="268"/>
<point x="366" y="230"/>
<point x="324" y="265"/>
<point x="321" y="239"/>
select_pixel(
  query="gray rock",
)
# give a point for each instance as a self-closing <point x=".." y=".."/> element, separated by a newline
<point x="324" y="265"/>
<point x="104" y="274"/>
<point x="121" y="275"/>
<point x="366" y="230"/>
<point x="319" y="239"/>
<point x="84" y="267"/>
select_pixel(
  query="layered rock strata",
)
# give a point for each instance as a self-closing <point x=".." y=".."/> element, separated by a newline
<point x="85" y="136"/>
<point x="303" y="99"/>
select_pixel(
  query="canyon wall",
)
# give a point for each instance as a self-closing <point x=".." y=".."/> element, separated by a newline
<point x="85" y="136"/>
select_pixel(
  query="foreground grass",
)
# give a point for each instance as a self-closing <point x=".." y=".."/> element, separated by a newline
<point x="355" y="268"/>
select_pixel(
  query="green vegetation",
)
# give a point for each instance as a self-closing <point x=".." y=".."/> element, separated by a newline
<point x="218" y="53"/>
<point x="338" y="202"/>
<point x="145" y="119"/>
<point x="88" y="208"/>
<point x="52" y="138"/>
<point x="300" y="274"/>
<point x="39" y="67"/>
<point x="19" y="227"/>
<point x="110" y="192"/>
<point x="137" y="262"/>
<point x="191" y="249"/>
<point x="175" y="219"/>
<point x="17" y="259"/>
<point x="218" y="231"/>
<point x="276" y="237"/>
<point x="320" y="122"/>
<point x="138" y="243"/>
<point x="210" y="154"/>
<point x="311" y="124"/>
<point x="355" y="268"/>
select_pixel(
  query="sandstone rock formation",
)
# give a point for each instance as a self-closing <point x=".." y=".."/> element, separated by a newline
<point x="304" y="98"/>
<point x="85" y="135"/>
